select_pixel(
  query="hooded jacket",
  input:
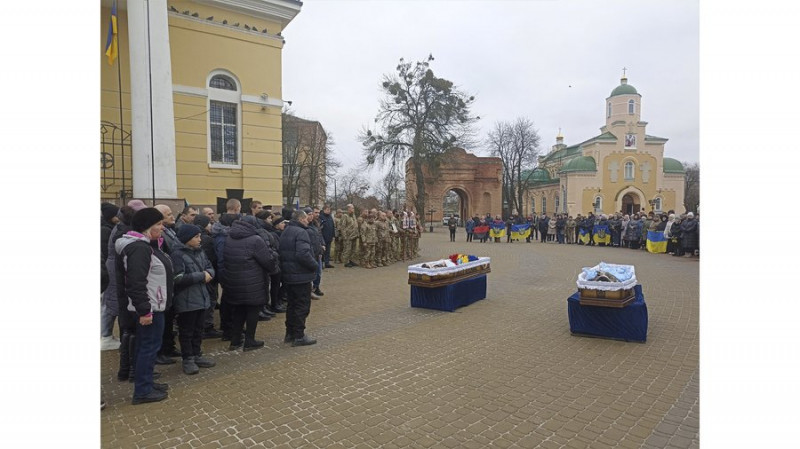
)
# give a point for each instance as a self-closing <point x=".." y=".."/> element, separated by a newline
<point x="247" y="262"/>
<point x="144" y="274"/>
<point x="190" y="266"/>
<point x="298" y="265"/>
<point x="219" y="232"/>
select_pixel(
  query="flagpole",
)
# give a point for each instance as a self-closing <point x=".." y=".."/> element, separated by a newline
<point x="121" y="123"/>
<point x="150" y="81"/>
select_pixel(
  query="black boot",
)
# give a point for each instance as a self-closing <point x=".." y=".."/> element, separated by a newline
<point x="124" y="356"/>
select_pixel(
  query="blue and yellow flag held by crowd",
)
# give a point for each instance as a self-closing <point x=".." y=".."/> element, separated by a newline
<point x="497" y="230"/>
<point x="656" y="242"/>
<point x="601" y="234"/>
<point x="520" y="231"/>
<point x="583" y="236"/>
<point x="111" y="40"/>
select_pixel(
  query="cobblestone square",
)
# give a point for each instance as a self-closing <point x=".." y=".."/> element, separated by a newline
<point x="502" y="372"/>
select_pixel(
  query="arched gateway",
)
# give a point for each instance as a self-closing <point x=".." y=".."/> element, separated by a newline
<point x="477" y="181"/>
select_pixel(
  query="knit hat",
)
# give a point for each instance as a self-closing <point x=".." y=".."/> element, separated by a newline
<point x="187" y="232"/>
<point x="109" y="211"/>
<point x="136" y="205"/>
<point x="277" y="221"/>
<point x="690" y="215"/>
<point x="145" y="218"/>
<point x="201" y="221"/>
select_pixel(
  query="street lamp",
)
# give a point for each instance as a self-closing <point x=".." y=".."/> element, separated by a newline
<point x="335" y="195"/>
<point x="431" y="211"/>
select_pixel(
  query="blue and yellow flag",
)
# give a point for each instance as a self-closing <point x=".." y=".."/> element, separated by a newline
<point x="583" y="236"/>
<point x="602" y="234"/>
<point x="111" y="40"/>
<point x="497" y="230"/>
<point x="656" y="242"/>
<point x="520" y="231"/>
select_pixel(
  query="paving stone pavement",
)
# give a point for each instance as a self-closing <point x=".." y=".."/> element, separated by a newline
<point x="502" y="372"/>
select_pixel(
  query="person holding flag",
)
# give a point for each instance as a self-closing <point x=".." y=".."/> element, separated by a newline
<point x="498" y="229"/>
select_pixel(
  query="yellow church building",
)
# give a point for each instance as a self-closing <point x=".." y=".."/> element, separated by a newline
<point x="621" y="170"/>
<point x="191" y="105"/>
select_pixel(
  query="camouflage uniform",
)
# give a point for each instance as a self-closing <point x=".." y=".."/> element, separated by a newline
<point x="369" y="237"/>
<point x="382" y="232"/>
<point x="394" y="247"/>
<point x="337" y="240"/>
<point x="349" y="234"/>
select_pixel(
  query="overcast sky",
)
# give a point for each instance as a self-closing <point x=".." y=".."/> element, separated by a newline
<point x="554" y="62"/>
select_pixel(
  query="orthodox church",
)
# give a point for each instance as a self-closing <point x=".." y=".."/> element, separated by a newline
<point x="621" y="170"/>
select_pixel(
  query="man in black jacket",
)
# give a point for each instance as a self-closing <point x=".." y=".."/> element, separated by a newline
<point x="318" y="247"/>
<point x="328" y="233"/>
<point x="298" y="269"/>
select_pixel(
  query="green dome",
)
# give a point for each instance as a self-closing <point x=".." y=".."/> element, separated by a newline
<point x="580" y="163"/>
<point x="624" y="89"/>
<point x="673" y="166"/>
<point x="540" y="175"/>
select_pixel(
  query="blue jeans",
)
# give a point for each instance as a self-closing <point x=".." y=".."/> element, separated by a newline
<point x="107" y="318"/>
<point x="148" y="342"/>
<point x="318" y="279"/>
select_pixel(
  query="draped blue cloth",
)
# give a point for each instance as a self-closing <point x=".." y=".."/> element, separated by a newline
<point x="628" y="323"/>
<point x="449" y="297"/>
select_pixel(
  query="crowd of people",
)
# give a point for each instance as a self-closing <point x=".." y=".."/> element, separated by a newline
<point x="681" y="231"/>
<point x="160" y="271"/>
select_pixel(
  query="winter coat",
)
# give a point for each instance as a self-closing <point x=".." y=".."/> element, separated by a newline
<point x="469" y="226"/>
<point x="661" y="225"/>
<point x="328" y="227"/>
<point x="207" y="244"/>
<point x="247" y="262"/>
<point x="551" y="226"/>
<point x="171" y="239"/>
<point x="315" y="236"/>
<point x="561" y="223"/>
<point x="623" y="226"/>
<point x="191" y="265"/>
<point x="689" y="234"/>
<point x="144" y="274"/>
<point x="110" y="295"/>
<point x="219" y="232"/>
<point x="105" y="234"/>
<point x="634" y="231"/>
<point x="544" y="223"/>
<point x="272" y="246"/>
<point x="298" y="265"/>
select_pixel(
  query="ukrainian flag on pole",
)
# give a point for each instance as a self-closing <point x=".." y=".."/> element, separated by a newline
<point x="520" y="231"/>
<point x="111" y="40"/>
<point x="656" y="242"/>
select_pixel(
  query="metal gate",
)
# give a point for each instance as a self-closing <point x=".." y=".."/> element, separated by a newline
<point x="115" y="176"/>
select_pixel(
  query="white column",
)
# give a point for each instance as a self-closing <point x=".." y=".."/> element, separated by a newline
<point x="151" y="100"/>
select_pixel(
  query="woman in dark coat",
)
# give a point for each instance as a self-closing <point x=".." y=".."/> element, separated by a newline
<point x="248" y="263"/>
<point x="634" y="232"/>
<point x="689" y="235"/>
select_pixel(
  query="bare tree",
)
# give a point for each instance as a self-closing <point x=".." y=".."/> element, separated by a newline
<point x="307" y="157"/>
<point x="421" y="116"/>
<point x="517" y="146"/>
<point x="691" y="197"/>
<point x="354" y="186"/>
<point x="388" y="191"/>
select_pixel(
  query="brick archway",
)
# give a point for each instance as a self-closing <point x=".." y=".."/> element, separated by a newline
<point x="477" y="180"/>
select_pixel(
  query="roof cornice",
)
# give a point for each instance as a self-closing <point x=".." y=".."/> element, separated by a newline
<point x="278" y="10"/>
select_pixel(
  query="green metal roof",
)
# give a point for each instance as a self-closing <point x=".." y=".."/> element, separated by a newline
<point x="582" y="163"/>
<point x="673" y="166"/>
<point x="650" y="138"/>
<point x="624" y="89"/>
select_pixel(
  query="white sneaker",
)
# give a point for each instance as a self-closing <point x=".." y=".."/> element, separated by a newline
<point x="109" y="343"/>
<point x="314" y="296"/>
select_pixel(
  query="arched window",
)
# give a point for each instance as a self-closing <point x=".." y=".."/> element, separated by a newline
<point x="533" y="205"/>
<point x="608" y="113"/>
<point x="657" y="204"/>
<point x="557" y="204"/>
<point x="224" y="112"/>
<point x="629" y="166"/>
<point x="631" y="107"/>
<point x="598" y="204"/>
<point x="544" y="205"/>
